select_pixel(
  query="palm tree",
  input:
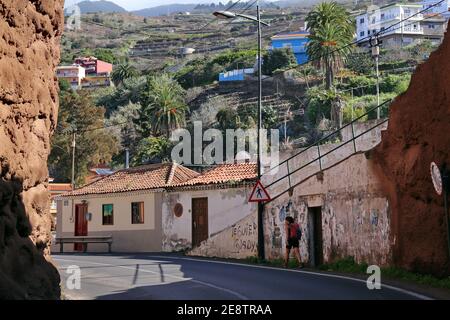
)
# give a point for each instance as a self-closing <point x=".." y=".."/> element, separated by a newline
<point x="331" y="30"/>
<point x="164" y="107"/>
<point x="122" y="72"/>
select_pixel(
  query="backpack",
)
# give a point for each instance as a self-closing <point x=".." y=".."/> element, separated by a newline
<point x="297" y="233"/>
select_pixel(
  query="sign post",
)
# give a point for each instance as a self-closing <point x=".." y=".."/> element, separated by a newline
<point x="441" y="183"/>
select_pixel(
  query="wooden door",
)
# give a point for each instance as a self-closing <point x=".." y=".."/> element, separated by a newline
<point x="199" y="220"/>
<point x="81" y="224"/>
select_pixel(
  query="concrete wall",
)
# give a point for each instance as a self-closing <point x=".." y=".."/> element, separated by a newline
<point x="354" y="211"/>
<point x="225" y="208"/>
<point x="127" y="237"/>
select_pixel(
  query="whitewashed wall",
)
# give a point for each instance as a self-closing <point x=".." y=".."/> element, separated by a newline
<point x="225" y="208"/>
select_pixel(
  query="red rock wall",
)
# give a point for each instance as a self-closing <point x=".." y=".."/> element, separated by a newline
<point x="418" y="133"/>
<point x="29" y="52"/>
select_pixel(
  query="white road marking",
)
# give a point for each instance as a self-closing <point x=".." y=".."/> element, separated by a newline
<point x="411" y="293"/>
<point x="238" y="295"/>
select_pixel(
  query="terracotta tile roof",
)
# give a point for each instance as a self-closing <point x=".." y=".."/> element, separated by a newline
<point x="146" y="177"/>
<point x="225" y="173"/>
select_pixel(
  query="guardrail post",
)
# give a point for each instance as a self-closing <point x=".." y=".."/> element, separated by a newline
<point x="289" y="173"/>
<point x="320" y="158"/>
<point x="353" y="138"/>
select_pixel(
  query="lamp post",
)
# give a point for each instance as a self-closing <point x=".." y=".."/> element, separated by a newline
<point x="257" y="19"/>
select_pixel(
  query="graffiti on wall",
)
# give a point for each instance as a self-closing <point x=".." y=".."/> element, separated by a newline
<point x="238" y="241"/>
<point x="274" y="223"/>
<point x="245" y="236"/>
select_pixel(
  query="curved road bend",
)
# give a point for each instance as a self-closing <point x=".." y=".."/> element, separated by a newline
<point x="153" y="276"/>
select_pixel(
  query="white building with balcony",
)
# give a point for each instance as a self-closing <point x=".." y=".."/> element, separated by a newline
<point x="395" y="30"/>
<point x="73" y="74"/>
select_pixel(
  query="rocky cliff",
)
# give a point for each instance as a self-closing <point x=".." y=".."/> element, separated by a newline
<point x="29" y="52"/>
<point x="418" y="134"/>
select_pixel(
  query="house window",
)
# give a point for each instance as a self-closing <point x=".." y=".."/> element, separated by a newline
<point x="382" y="16"/>
<point x="361" y="21"/>
<point x="361" y="33"/>
<point x="137" y="212"/>
<point x="108" y="214"/>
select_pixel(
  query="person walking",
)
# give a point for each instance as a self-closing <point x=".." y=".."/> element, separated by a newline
<point x="293" y="236"/>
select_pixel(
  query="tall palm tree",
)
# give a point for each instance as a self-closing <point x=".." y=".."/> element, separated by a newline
<point x="122" y="72"/>
<point x="331" y="30"/>
<point x="164" y="104"/>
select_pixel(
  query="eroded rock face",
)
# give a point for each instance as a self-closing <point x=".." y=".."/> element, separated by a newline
<point x="419" y="133"/>
<point x="29" y="52"/>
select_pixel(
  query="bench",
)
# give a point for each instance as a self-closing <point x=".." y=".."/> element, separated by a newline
<point x="84" y="240"/>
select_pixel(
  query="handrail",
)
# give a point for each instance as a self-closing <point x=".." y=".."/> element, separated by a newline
<point x="329" y="135"/>
<point x="327" y="153"/>
<point x="320" y="156"/>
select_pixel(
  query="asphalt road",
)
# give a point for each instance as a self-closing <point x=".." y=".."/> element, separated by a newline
<point x="153" y="276"/>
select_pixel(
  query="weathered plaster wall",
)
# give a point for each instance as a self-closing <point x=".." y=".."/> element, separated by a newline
<point x="355" y="214"/>
<point x="225" y="207"/>
<point x="238" y="241"/>
<point x="29" y="52"/>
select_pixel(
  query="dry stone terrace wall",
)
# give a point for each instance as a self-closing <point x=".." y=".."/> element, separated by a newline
<point x="29" y="52"/>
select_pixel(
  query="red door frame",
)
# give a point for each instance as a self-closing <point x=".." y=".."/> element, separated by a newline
<point x="81" y="224"/>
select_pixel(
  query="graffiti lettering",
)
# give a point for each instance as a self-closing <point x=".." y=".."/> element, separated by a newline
<point x="248" y="245"/>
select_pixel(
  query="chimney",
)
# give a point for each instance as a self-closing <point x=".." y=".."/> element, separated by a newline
<point x="127" y="158"/>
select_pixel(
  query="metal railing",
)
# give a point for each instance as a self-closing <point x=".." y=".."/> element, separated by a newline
<point x="317" y="145"/>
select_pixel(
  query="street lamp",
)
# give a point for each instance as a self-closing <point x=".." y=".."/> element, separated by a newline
<point x="257" y="19"/>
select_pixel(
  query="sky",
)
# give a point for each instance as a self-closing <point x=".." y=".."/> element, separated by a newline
<point x="142" y="4"/>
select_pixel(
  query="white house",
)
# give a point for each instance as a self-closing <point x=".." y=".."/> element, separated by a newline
<point x="74" y="74"/>
<point x="437" y="7"/>
<point x="159" y="207"/>
<point x="395" y="30"/>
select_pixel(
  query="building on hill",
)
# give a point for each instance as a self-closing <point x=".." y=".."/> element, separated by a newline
<point x="87" y="73"/>
<point x="396" y="31"/>
<point x="297" y="41"/>
<point x="98" y="81"/>
<point x="437" y="7"/>
<point x="74" y="74"/>
<point x="94" y="66"/>
<point x="235" y="75"/>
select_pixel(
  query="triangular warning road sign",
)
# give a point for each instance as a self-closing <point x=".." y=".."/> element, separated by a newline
<point x="259" y="193"/>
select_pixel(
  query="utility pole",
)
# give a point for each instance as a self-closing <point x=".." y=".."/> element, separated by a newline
<point x="74" y="144"/>
<point x="376" y="54"/>
<point x="257" y="19"/>
<point x="261" y="253"/>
